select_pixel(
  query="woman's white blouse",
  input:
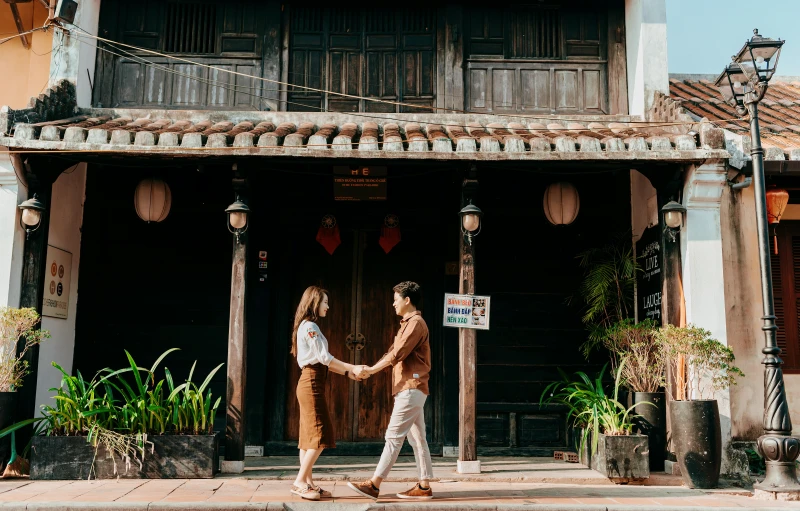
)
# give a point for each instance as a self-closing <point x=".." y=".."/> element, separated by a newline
<point x="312" y="346"/>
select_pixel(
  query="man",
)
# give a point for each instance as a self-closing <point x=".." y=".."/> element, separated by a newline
<point x="410" y="358"/>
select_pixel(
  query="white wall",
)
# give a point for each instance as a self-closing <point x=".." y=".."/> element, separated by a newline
<point x="646" y="47"/>
<point x="71" y="58"/>
<point x="12" y="237"/>
<point x="66" y="218"/>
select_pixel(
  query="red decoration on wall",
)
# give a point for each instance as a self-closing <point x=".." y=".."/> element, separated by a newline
<point x="328" y="234"/>
<point x="777" y="199"/>
<point x="390" y="233"/>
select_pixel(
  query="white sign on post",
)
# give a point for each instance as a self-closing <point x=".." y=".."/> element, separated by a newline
<point x="466" y="311"/>
<point x="56" y="283"/>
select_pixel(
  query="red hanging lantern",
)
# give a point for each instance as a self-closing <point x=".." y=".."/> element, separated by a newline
<point x="777" y="200"/>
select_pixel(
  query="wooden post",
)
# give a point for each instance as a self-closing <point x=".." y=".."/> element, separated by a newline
<point x="467" y="355"/>
<point x="34" y="270"/>
<point x="237" y="350"/>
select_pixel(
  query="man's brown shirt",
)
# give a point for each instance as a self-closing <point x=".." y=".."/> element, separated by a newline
<point x="410" y="355"/>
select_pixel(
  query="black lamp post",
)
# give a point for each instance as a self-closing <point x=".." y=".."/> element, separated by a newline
<point x="743" y="84"/>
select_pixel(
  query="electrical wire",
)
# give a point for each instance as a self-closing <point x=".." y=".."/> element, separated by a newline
<point x="7" y="39"/>
<point x="341" y="94"/>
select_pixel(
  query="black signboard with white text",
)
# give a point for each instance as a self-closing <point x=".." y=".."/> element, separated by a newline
<point x="648" y="280"/>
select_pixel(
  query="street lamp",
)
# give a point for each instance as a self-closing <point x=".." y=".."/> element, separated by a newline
<point x="31" y="217"/>
<point x="756" y="62"/>
<point x="471" y="221"/>
<point x="237" y="217"/>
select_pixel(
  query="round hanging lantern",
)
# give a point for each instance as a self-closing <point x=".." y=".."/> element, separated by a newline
<point x="152" y="199"/>
<point x="561" y="203"/>
<point x="777" y="199"/>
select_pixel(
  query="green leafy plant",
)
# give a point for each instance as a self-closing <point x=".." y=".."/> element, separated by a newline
<point x="17" y="325"/>
<point x="590" y="407"/>
<point x="643" y="350"/>
<point x="710" y="364"/>
<point x="607" y="288"/>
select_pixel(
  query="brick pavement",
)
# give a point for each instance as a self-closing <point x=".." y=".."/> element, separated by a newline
<point x="243" y="493"/>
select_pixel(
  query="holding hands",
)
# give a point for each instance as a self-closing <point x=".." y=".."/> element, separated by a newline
<point x="361" y="373"/>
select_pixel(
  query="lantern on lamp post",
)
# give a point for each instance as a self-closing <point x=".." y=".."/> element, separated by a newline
<point x="756" y="63"/>
<point x="31" y="217"/>
<point x="238" y="214"/>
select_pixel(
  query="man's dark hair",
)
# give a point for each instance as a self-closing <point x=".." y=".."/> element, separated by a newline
<point x="410" y="290"/>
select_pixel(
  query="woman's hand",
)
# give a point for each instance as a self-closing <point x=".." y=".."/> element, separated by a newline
<point x="361" y="372"/>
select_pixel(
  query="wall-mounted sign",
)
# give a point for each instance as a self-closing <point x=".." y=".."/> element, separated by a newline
<point x="466" y="311"/>
<point x="56" y="283"/>
<point x="648" y="280"/>
<point x="359" y="183"/>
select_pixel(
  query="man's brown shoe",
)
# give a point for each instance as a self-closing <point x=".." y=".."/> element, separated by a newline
<point x="366" y="489"/>
<point x="416" y="493"/>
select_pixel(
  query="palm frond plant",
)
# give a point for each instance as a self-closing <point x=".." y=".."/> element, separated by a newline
<point x="607" y="287"/>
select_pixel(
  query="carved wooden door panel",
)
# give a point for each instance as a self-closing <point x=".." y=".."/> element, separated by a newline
<point x="360" y="326"/>
<point x="387" y="54"/>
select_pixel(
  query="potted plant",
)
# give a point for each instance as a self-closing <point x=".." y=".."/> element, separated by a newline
<point x="701" y="366"/>
<point x="17" y="329"/>
<point x="644" y="374"/>
<point x="126" y="424"/>
<point x="615" y="451"/>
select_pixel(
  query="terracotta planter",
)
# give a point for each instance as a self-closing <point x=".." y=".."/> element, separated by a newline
<point x="623" y="459"/>
<point x="174" y="457"/>
<point x="697" y="440"/>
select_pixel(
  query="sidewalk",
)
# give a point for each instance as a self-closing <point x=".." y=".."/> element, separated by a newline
<point x="506" y="484"/>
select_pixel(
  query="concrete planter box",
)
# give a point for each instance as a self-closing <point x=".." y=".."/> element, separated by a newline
<point x="173" y="457"/>
<point x="622" y="459"/>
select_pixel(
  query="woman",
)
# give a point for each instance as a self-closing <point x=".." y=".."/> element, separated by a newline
<point x="310" y="348"/>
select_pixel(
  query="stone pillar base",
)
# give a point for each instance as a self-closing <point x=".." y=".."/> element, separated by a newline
<point x="776" y="495"/>
<point x="231" y="467"/>
<point x="469" y="467"/>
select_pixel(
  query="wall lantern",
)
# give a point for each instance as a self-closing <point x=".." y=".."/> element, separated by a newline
<point x="777" y="200"/>
<point x="470" y="221"/>
<point x="237" y="217"/>
<point x="152" y="199"/>
<point x="561" y="203"/>
<point x="673" y="217"/>
<point x="31" y="217"/>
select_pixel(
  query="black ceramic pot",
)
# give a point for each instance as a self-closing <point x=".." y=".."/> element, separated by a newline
<point x="697" y="441"/>
<point x="652" y="421"/>
<point x="8" y="405"/>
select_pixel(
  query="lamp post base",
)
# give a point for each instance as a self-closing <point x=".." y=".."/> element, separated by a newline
<point x="782" y="495"/>
<point x="780" y="453"/>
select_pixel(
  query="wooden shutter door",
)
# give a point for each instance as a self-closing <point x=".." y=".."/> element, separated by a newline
<point x="786" y="292"/>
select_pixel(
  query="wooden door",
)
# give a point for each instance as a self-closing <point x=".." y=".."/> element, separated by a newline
<point x="359" y="277"/>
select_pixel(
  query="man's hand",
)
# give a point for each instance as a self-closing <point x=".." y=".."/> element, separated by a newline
<point x="361" y="372"/>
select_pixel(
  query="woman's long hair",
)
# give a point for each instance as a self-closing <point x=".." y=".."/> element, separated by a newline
<point x="308" y="310"/>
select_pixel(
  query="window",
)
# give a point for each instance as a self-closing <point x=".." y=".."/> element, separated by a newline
<point x="786" y="291"/>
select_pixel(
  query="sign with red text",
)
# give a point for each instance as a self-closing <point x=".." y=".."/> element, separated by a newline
<point x="56" y="283"/>
<point x="466" y="311"/>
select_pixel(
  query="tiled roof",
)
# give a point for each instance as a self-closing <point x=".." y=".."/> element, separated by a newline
<point x="416" y="136"/>
<point x="779" y="111"/>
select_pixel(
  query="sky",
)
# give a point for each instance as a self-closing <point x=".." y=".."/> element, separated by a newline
<point x="703" y="34"/>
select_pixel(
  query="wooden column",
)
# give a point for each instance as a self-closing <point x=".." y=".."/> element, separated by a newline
<point x="34" y="271"/>
<point x="237" y="349"/>
<point x="467" y="353"/>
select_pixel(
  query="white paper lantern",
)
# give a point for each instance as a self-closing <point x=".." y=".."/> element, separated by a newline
<point x="152" y="200"/>
<point x="561" y="203"/>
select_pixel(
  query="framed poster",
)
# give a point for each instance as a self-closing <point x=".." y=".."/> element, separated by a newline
<point x="56" y="283"/>
<point x="466" y="311"/>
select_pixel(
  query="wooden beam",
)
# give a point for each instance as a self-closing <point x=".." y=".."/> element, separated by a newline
<point x="20" y="26"/>
<point x="45" y="4"/>
<point x="237" y="350"/>
<point x="34" y="271"/>
<point x="467" y="348"/>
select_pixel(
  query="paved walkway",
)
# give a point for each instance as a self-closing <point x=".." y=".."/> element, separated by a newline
<point x="507" y="484"/>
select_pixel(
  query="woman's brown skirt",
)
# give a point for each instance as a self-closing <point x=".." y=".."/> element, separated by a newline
<point x="316" y="428"/>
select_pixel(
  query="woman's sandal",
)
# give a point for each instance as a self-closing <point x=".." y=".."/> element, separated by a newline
<point x="324" y="494"/>
<point x="307" y="492"/>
